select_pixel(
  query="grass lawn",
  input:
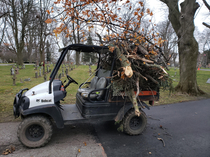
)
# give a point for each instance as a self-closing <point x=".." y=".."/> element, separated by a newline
<point x="80" y="74"/>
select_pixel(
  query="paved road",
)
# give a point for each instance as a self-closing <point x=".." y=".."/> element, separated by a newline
<point x="72" y="141"/>
<point x="186" y="132"/>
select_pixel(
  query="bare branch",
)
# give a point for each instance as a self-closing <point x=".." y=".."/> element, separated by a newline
<point x="205" y="24"/>
<point x="206" y="4"/>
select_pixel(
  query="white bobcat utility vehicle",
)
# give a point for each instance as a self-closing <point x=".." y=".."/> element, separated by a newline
<point x="39" y="107"/>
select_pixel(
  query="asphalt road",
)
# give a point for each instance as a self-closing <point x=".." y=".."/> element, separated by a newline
<point x="72" y="141"/>
<point x="185" y="131"/>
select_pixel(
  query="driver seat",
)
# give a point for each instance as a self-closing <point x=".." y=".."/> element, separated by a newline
<point x="91" y="87"/>
<point x="97" y="93"/>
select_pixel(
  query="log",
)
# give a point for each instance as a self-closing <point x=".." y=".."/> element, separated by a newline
<point x="125" y="64"/>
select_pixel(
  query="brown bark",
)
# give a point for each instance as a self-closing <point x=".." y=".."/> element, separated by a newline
<point x="188" y="47"/>
<point x="128" y="72"/>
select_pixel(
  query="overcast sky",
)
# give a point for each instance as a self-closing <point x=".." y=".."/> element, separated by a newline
<point x="160" y="11"/>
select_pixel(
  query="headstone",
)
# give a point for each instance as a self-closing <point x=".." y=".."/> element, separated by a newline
<point x="40" y="72"/>
<point x="45" y="77"/>
<point x="62" y="73"/>
<point x="23" y="66"/>
<point x="14" y="78"/>
<point x="90" y="71"/>
<point x="12" y="71"/>
<point x="208" y="81"/>
<point x="47" y="68"/>
<point x="35" y="67"/>
<point x="27" y="79"/>
<point x="16" y="71"/>
<point x="36" y="75"/>
<point x="66" y="71"/>
<point x="21" y="81"/>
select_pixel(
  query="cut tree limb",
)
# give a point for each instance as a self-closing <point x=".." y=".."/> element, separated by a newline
<point x="139" y="58"/>
<point x="134" y="102"/>
<point x="152" y="79"/>
<point x="125" y="64"/>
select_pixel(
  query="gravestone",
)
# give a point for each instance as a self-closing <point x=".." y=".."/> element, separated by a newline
<point x="62" y="73"/>
<point x="45" y="77"/>
<point x="12" y="71"/>
<point x="40" y="72"/>
<point x="27" y="79"/>
<point x="66" y="71"/>
<point x="36" y="75"/>
<point x="90" y="70"/>
<point x="59" y="76"/>
<point x="47" y="68"/>
<point x="21" y="81"/>
<point x="14" y="78"/>
<point x="208" y="81"/>
<point x="17" y="71"/>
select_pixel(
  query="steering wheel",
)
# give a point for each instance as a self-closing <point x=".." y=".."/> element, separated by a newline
<point x="71" y="79"/>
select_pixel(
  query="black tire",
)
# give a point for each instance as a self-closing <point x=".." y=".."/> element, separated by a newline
<point x="134" y="125"/>
<point x="35" y="131"/>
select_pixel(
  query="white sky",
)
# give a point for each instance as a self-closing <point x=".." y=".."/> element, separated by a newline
<point x="160" y="11"/>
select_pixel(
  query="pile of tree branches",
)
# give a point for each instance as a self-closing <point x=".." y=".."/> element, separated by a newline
<point x="137" y="69"/>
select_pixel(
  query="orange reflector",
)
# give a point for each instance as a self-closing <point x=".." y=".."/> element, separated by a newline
<point x="147" y="93"/>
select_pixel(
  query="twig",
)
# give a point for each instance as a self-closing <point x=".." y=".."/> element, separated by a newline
<point x="160" y="139"/>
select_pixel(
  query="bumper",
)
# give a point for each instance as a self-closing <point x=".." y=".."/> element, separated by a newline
<point x="17" y="102"/>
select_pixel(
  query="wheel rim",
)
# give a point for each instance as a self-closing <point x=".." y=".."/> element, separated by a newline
<point x="35" y="132"/>
<point x="135" y="123"/>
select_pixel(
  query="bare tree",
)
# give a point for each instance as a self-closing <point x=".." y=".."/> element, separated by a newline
<point x="168" y="34"/>
<point x="17" y="20"/>
<point x="183" y="25"/>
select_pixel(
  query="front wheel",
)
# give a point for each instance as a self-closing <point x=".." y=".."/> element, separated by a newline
<point x="35" y="131"/>
<point x="134" y="125"/>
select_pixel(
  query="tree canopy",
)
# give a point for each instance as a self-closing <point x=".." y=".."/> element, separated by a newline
<point x="115" y="21"/>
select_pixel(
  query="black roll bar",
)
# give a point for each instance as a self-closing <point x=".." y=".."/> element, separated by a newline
<point x="57" y="66"/>
<point x="76" y="47"/>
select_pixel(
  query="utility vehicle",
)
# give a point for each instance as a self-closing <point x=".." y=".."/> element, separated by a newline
<point x="39" y="107"/>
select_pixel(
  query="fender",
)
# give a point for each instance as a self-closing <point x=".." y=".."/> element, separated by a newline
<point x="126" y="108"/>
<point x="51" y="110"/>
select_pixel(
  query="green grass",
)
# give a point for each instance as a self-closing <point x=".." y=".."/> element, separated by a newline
<point x="8" y="90"/>
<point x="80" y="74"/>
<point x="202" y="77"/>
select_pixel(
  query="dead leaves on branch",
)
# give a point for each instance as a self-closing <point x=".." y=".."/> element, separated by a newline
<point x="98" y="12"/>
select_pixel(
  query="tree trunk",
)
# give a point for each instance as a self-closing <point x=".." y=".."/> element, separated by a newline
<point x="77" y="57"/>
<point x="19" y="57"/>
<point x="188" y="47"/>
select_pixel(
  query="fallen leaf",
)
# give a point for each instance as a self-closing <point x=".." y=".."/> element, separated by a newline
<point x="79" y="150"/>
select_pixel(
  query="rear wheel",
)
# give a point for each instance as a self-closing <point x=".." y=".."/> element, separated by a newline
<point x="35" y="131"/>
<point x="134" y="125"/>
